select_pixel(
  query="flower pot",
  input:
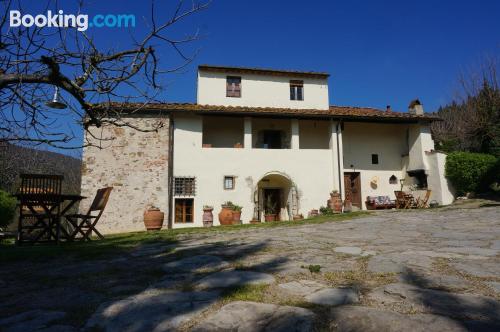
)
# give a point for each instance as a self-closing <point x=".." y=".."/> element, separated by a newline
<point x="253" y="221"/>
<point x="335" y="203"/>
<point x="270" y="217"/>
<point x="226" y="215"/>
<point x="298" y="217"/>
<point x="153" y="219"/>
<point x="208" y="217"/>
<point x="236" y="217"/>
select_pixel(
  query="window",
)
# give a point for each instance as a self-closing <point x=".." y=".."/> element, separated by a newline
<point x="296" y="90"/>
<point x="233" y="86"/>
<point x="375" y="159"/>
<point x="184" y="209"/>
<point x="419" y="178"/>
<point x="229" y="182"/>
<point x="184" y="186"/>
<point x="393" y="179"/>
<point x="271" y="139"/>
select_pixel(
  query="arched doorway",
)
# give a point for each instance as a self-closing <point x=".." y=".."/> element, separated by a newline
<point x="277" y="195"/>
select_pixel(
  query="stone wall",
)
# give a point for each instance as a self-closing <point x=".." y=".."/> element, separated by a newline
<point x="135" y="164"/>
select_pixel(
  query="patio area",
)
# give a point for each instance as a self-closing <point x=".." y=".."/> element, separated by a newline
<point x="433" y="269"/>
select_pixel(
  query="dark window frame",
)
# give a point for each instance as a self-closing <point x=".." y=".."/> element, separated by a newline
<point x="296" y="90"/>
<point x="233" y="86"/>
<point x="183" y="217"/>
<point x="233" y="179"/>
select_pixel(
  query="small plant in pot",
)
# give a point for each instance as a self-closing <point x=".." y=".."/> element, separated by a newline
<point x="270" y="210"/>
<point x="237" y="214"/>
<point x="153" y="218"/>
<point x="226" y="213"/>
<point x="208" y="217"/>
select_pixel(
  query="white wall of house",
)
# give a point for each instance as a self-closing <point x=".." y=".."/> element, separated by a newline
<point x="389" y="141"/>
<point x="261" y="91"/>
<point x="442" y="190"/>
<point x="309" y="169"/>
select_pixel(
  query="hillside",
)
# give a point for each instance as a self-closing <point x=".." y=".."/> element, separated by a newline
<point x="15" y="160"/>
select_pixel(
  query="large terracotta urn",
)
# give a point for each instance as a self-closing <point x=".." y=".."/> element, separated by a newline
<point x="335" y="202"/>
<point x="153" y="219"/>
<point x="226" y="215"/>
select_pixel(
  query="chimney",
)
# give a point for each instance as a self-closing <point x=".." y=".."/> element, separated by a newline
<point x="388" y="108"/>
<point x="416" y="108"/>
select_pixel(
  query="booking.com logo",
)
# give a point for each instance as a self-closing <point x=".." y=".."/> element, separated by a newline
<point x="80" y="21"/>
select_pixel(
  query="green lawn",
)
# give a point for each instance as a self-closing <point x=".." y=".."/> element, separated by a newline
<point x="121" y="243"/>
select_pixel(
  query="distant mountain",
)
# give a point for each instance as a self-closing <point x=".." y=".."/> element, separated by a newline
<point x="15" y="160"/>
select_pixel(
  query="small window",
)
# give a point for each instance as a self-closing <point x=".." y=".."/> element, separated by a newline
<point x="296" y="90"/>
<point x="184" y="210"/>
<point x="229" y="182"/>
<point x="393" y="179"/>
<point x="233" y="86"/>
<point x="184" y="186"/>
<point x="375" y="159"/>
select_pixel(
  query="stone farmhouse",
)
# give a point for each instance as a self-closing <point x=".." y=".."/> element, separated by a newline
<point x="258" y="137"/>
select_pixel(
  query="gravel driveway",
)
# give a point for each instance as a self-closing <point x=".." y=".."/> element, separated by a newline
<point x="433" y="270"/>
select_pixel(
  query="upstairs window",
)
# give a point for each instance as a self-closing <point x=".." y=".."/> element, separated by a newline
<point x="375" y="159"/>
<point x="184" y="186"/>
<point x="228" y="182"/>
<point x="296" y="90"/>
<point x="233" y="86"/>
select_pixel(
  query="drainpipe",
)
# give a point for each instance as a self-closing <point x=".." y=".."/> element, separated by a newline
<point x="339" y="127"/>
<point x="170" y="167"/>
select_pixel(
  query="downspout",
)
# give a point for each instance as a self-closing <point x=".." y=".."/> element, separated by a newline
<point x="338" y="159"/>
<point x="170" y="167"/>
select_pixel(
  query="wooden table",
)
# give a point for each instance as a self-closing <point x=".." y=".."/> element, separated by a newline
<point x="38" y="200"/>
<point x="409" y="200"/>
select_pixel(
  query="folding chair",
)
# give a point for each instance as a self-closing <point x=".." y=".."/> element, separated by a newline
<point x="39" y="210"/>
<point x="84" y="224"/>
<point x="422" y="202"/>
<point x="400" y="200"/>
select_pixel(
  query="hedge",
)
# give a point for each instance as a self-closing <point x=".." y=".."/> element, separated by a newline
<point x="7" y="208"/>
<point x="470" y="172"/>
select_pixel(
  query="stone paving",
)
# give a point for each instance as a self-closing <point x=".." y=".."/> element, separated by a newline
<point x="434" y="270"/>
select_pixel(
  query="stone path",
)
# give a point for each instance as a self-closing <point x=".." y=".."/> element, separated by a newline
<point x="434" y="270"/>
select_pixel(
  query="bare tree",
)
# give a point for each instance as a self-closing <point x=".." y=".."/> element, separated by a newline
<point x="35" y="60"/>
<point x="472" y="119"/>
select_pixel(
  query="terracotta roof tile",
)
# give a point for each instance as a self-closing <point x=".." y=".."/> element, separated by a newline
<point x="339" y="112"/>
<point x="253" y="70"/>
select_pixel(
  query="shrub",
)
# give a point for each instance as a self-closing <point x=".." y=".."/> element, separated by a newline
<point x="7" y="208"/>
<point x="468" y="172"/>
<point x="326" y="211"/>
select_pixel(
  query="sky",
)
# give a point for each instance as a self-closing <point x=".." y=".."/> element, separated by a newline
<point x="378" y="53"/>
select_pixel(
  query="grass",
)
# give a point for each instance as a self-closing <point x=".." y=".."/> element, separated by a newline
<point x="123" y="243"/>
<point x="254" y="293"/>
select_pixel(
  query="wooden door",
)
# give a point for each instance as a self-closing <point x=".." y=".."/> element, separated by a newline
<point x="352" y="185"/>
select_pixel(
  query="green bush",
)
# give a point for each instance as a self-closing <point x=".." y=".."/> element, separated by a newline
<point x="7" y="208"/>
<point x="469" y="172"/>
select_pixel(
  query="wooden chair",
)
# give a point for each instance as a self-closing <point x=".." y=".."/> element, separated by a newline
<point x="84" y="224"/>
<point x="401" y="202"/>
<point x="39" y="209"/>
<point x="423" y="202"/>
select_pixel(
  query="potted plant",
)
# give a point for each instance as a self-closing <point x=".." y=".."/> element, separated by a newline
<point x="153" y="218"/>
<point x="237" y="214"/>
<point x="270" y="211"/>
<point x="226" y="213"/>
<point x="335" y="202"/>
<point x="208" y="217"/>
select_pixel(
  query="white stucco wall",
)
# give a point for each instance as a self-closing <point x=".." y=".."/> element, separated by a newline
<point x="360" y="141"/>
<point x="442" y="190"/>
<point x="261" y="91"/>
<point x="310" y="170"/>
<point x="420" y="141"/>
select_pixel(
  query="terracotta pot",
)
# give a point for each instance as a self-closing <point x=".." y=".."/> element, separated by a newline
<point x="153" y="219"/>
<point x="236" y="217"/>
<point x="226" y="216"/>
<point x="255" y="221"/>
<point x="298" y="217"/>
<point x="270" y="217"/>
<point x="208" y="217"/>
<point x="335" y="203"/>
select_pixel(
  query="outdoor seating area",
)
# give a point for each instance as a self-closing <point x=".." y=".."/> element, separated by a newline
<point x="408" y="200"/>
<point x="44" y="211"/>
